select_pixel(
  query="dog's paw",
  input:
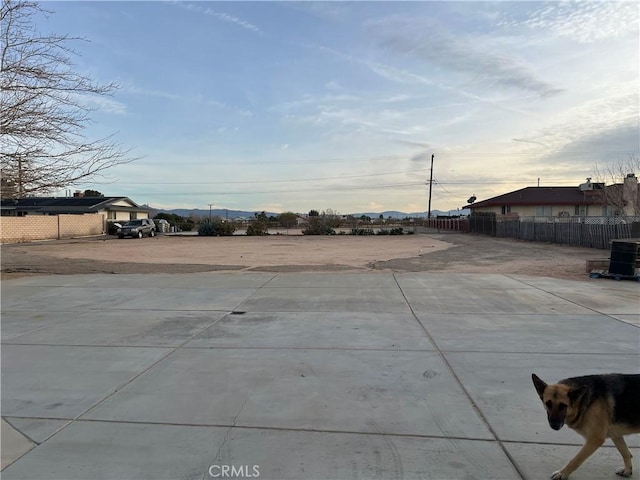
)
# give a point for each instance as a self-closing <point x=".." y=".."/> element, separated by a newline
<point x="623" y="472"/>
<point x="558" y="476"/>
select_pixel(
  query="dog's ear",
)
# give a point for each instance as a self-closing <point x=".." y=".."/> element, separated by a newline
<point x="539" y="384"/>
<point x="576" y="394"/>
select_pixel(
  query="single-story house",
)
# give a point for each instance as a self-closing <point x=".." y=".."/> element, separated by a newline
<point x="587" y="199"/>
<point x="302" y="220"/>
<point x="114" y="209"/>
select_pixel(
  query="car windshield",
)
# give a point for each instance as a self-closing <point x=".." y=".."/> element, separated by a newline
<point x="133" y="223"/>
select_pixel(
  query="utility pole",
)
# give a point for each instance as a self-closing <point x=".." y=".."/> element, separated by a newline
<point x="210" y="205"/>
<point x="430" y="185"/>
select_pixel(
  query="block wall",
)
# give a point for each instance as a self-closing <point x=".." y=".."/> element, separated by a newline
<point x="49" y="227"/>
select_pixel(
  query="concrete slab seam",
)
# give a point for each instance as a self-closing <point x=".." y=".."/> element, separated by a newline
<point x="572" y="302"/>
<point x="227" y="347"/>
<point x="474" y="405"/>
<point x="28" y="332"/>
<point x="6" y="419"/>
<point x="121" y="386"/>
<point x="538" y="352"/>
<point x="90" y="345"/>
<point x="43" y="327"/>
<point x="231" y="427"/>
<point x="290" y="429"/>
<point x="18" y="452"/>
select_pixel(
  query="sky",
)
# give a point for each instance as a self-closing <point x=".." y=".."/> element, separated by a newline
<point x="293" y="106"/>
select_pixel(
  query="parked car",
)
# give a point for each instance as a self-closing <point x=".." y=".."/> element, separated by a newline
<point x="138" y="228"/>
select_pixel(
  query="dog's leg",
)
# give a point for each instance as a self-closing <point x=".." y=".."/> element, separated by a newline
<point x="592" y="444"/>
<point x="621" y="445"/>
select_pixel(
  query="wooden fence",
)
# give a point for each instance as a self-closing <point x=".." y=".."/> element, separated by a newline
<point x="594" y="232"/>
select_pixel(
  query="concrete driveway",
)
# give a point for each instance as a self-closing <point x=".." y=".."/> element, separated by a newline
<point x="302" y="375"/>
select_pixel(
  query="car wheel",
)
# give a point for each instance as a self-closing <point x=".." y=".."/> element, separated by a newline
<point x="140" y="235"/>
<point x="152" y="233"/>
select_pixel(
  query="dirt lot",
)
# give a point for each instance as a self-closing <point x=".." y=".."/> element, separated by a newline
<point x="437" y="252"/>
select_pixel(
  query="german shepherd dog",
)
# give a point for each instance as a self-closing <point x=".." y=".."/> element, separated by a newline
<point x="597" y="407"/>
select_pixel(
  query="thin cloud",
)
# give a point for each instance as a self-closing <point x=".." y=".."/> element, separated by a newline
<point x="463" y="56"/>
<point x="397" y="98"/>
<point x="585" y="22"/>
<point x="414" y="143"/>
<point x="102" y="104"/>
<point x="132" y="89"/>
<point x="590" y="119"/>
<point x="422" y="157"/>
<point x="401" y="76"/>
<point x="524" y="140"/>
<point x="225" y="17"/>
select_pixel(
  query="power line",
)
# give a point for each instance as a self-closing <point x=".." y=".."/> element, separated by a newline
<point x="445" y="190"/>
<point x="295" y="162"/>
<point x="249" y="182"/>
<point x="494" y="182"/>
<point x="444" y="154"/>
<point x="319" y="189"/>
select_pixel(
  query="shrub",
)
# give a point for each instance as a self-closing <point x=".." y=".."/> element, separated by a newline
<point x="396" y="231"/>
<point x="318" y="228"/>
<point x="225" y="229"/>
<point x="207" y="229"/>
<point x="216" y="229"/>
<point x="186" y="226"/>
<point x="321" y="225"/>
<point x="362" y="231"/>
<point x="257" y="228"/>
<point x="383" y="231"/>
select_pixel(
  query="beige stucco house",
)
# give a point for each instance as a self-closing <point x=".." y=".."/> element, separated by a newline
<point x="586" y="200"/>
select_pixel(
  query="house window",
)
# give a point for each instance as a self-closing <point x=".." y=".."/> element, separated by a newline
<point x="111" y="215"/>
<point x="543" y="211"/>
<point x="582" y="210"/>
<point x="506" y="209"/>
<point x="133" y="215"/>
<point x="609" y="211"/>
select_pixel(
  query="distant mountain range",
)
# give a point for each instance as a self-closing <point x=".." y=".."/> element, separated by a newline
<point x="233" y="214"/>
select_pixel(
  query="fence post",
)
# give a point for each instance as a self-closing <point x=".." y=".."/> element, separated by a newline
<point x="534" y="229"/>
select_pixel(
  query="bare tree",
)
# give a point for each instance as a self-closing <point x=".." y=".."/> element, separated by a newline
<point x="622" y="193"/>
<point x="44" y="110"/>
